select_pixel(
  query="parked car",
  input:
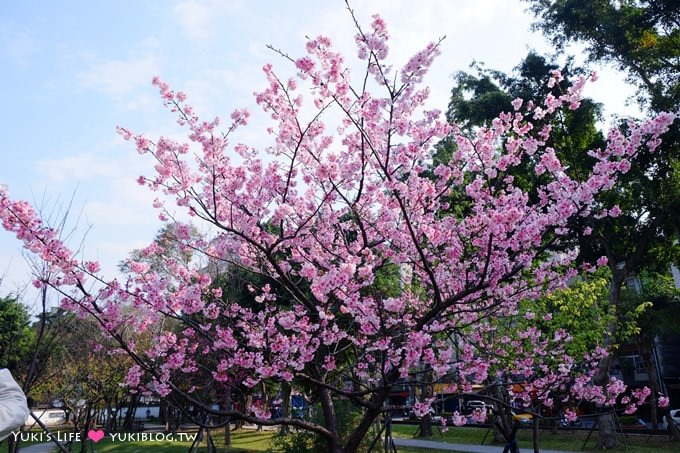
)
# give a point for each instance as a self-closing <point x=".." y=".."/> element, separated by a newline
<point x="478" y="404"/>
<point x="49" y="417"/>
<point x="435" y="418"/>
<point x="299" y="406"/>
<point x="675" y="415"/>
<point x="523" y="419"/>
<point x="565" y="423"/>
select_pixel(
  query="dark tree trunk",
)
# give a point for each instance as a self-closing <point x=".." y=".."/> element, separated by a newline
<point x="163" y="413"/>
<point x="510" y="438"/>
<point x="265" y="402"/>
<point x="227" y="426"/>
<point x="606" y="428"/>
<point x="132" y="408"/>
<point x="286" y="391"/>
<point x="330" y="420"/>
<point x="554" y="424"/>
<point x="367" y="421"/>
<point x="12" y="444"/>
<point x="110" y="419"/>
<point x="85" y="428"/>
<point x="245" y="401"/>
<point x="606" y="425"/>
<point x="227" y="435"/>
<point x="502" y="416"/>
<point x="607" y="438"/>
<point x="673" y="428"/>
<point x="502" y="425"/>
<point x="534" y="433"/>
<point x="645" y="347"/>
<point x="425" y="426"/>
<point x="497" y="433"/>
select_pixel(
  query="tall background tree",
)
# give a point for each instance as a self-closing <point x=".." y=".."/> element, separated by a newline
<point x="655" y="306"/>
<point x="642" y="38"/>
<point x="16" y="335"/>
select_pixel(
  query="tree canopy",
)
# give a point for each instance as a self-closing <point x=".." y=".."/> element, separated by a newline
<point x="344" y="192"/>
<point x="642" y="37"/>
<point x="16" y="336"/>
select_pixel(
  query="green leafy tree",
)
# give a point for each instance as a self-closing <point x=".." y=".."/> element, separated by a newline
<point x="641" y="38"/>
<point x="91" y="376"/>
<point x="16" y="335"/>
<point x="654" y="311"/>
<point x="42" y="376"/>
<point x="480" y="95"/>
<point x="172" y="247"/>
<point x="647" y="194"/>
<point x="582" y="311"/>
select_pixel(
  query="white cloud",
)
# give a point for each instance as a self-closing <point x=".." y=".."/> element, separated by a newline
<point x="123" y="203"/>
<point x="119" y="78"/>
<point x="19" y="46"/>
<point x="194" y="18"/>
<point x="197" y="18"/>
<point x="81" y="167"/>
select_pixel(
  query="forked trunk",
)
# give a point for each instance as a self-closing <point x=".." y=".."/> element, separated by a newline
<point x="502" y="416"/>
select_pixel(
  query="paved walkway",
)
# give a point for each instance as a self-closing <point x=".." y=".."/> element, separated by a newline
<point x="467" y="448"/>
<point x="39" y="448"/>
<point x="399" y="442"/>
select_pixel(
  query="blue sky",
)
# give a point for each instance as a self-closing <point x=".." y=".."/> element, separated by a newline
<point x="71" y="71"/>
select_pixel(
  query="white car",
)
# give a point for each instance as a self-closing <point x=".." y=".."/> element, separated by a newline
<point x="675" y="415"/>
<point x="49" y="417"/>
<point x="478" y="404"/>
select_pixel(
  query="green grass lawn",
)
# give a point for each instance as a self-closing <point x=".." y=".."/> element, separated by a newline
<point x="40" y="437"/>
<point x="249" y="441"/>
<point x="563" y="440"/>
<point x="243" y="441"/>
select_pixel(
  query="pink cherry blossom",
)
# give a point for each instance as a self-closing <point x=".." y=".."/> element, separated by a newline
<point x="357" y="274"/>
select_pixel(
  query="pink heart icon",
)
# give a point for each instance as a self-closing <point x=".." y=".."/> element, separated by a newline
<point x="95" y="435"/>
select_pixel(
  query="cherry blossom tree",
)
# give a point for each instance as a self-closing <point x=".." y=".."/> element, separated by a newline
<point x="344" y="192"/>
